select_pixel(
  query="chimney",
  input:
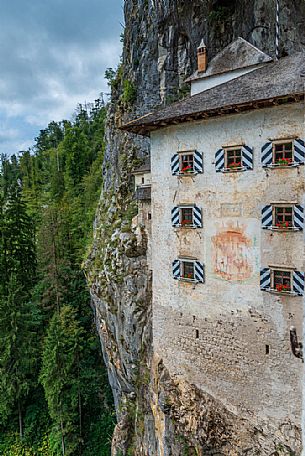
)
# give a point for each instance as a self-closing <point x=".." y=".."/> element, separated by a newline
<point x="202" y="60"/>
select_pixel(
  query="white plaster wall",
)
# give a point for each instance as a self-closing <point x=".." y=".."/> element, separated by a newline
<point x="200" y="85"/>
<point x="235" y="319"/>
<point x="139" y="177"/>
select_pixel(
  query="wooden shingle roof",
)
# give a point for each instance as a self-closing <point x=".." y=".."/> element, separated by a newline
<point x="239" y="54"/>
<point x="143" y="169"/>
<point x="279" y="82"/>
<point x="143" y="193"/>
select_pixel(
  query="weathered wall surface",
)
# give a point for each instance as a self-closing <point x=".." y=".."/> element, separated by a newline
<point x="155" y="413"/>
<point x="235" y="319"/>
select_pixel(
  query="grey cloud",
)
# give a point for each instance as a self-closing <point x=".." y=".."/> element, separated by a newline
<point x="53" y="55"/>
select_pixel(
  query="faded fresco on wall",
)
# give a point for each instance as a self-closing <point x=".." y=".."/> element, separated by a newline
<point x="232" y="252"/>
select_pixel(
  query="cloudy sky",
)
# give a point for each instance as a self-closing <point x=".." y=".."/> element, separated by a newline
<point x="53" y="55"/>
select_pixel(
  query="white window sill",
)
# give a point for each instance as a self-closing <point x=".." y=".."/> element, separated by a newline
<point x="275" y="228"/>
<point x="276" y="165"/>
<point x="281" y="293"/>
<point x="186" y="226"/>
<point x="189" y="174"/>
<point x="184" y="279"/>
<point x="235" y="170"/>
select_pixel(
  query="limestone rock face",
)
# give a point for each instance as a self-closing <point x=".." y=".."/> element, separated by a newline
<point x="159" y="415"/>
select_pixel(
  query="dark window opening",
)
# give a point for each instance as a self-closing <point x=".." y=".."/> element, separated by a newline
<point x="143" y="180"/>
<point x="197" y="334"/>
<point x="186" y="163"/>
<point x="149" y="215"/>
<point x="188" y="271"/>
<point x="283" y="217"/>
<point x="283" y="153"/>
<point x="282" y="280"/>
<point x="194" y="318"/>
<point x="267" y="349"/>
<point x="233" y="158"/>
<point x="186" y="216"/>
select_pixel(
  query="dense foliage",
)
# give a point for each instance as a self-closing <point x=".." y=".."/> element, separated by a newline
<point x="54" y="395"/>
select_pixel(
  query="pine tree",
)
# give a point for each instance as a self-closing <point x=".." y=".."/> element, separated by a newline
<point x="45" y="315"/>
<point x="61" y="377"/>
<point x="18" y="255"/>
<point x="18" y="316"/>
<point x="19" y="321"/>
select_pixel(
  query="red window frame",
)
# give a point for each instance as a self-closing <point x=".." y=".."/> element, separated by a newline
<point x="186" y="216"/>
<point x="187" y="270"/>
<point x="282" y="280"/>
<point x="283" y="216"/>
<point x="233" y="158"/>
<point x="282" y="153"/>
<point x="187" y="163"/>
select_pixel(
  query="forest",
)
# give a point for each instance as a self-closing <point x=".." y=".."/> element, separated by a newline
<point x="54" y="394"/>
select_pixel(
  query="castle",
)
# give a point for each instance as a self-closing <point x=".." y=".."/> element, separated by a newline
<point x="223" y="204"/>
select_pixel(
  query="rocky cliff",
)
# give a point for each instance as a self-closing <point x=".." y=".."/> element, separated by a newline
<point x="159" y="415"/>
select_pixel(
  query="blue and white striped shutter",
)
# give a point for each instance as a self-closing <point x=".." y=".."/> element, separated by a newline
<point x="175" y="216"/>
<point x="265" y="280"/>
<point x="199" y="272"/>
<point x="247" y="157"/>
<point x="267" y="216"/>
<point x="176" y="269"/>
<point x="197" y="217"/>
<point x="299" y="151"/>
<point x="198" y="162"/>
<point x="220" y="160"/>
<point x="175" y="162"/>
<point x="299" y="216"/>
<point x="266" y="156"/>
<point x="298" y="282"/>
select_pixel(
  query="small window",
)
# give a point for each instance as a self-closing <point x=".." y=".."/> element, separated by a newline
<point x="283" y="217"/>
<point x="149" y="215"/>
<point x="281" y="280"/>
<point x="283" y="153"/>
<point x="186" y="216"/>
<point x="187" y="163"/>
<point x="233" y="159"/>
<point x="187" y="270"/>
<point x="143" y="180"/>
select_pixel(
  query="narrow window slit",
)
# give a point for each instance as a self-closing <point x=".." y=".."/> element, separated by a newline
<point x="267" y="349"/>
<point x="197" y="334"/>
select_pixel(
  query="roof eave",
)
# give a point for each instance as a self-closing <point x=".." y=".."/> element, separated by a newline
<point x="146" y="129"/>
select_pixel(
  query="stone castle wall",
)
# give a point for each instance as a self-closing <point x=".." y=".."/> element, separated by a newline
<point x="236" y="321"/>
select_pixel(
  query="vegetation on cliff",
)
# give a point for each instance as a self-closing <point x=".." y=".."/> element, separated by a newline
<point x="55" y="397"/>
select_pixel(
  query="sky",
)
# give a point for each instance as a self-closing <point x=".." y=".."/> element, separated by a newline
<point x="53" y="56"/>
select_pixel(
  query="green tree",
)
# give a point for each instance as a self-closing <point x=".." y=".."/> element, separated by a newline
<point x="48" y="198"/>
<point x="61" y="377"/>
<point x="18" y="254"/>
<point x="19" y="320"/>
